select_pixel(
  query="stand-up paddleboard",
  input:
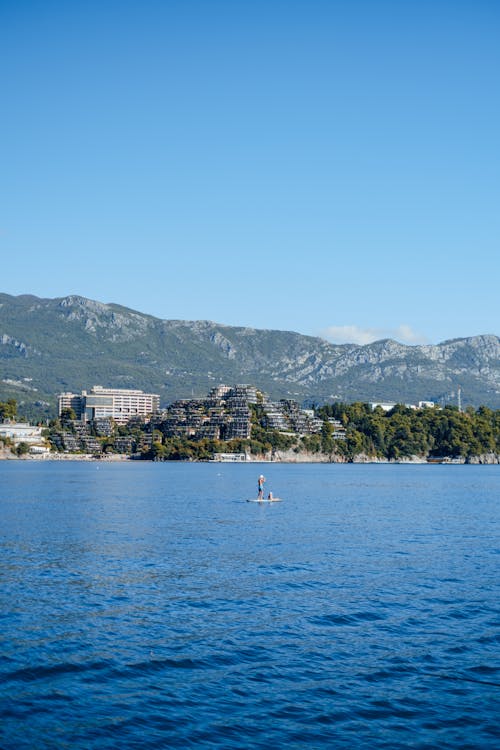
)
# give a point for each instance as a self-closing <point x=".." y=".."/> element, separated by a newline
<point x="265" y="500"/>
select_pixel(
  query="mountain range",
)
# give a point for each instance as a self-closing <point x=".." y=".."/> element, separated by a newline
<point x="72" y="343"/>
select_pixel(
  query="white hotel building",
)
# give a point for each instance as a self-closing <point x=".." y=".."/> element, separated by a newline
<point x="21" y="432"/>
<point x="121" y="404"/>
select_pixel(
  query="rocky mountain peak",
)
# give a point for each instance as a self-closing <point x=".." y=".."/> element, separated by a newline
<point x="80" y="342"/>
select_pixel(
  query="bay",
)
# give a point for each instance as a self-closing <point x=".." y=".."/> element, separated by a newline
<point x="148" y="605"/>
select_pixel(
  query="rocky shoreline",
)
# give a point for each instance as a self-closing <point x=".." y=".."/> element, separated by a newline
<point x="290" y="457"/>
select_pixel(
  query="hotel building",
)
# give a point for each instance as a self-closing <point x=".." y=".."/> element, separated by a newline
<point x="120" y="404"/>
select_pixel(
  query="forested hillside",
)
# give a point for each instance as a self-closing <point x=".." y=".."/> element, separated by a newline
<point x="52" y="345"/>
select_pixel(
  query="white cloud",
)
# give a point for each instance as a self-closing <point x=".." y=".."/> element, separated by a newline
<point x="405" y="334"/>
<point x="355" y="335"/>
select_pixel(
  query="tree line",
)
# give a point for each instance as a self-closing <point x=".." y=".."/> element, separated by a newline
<point x="398" y="434"/>
<point x="403" y="432"/>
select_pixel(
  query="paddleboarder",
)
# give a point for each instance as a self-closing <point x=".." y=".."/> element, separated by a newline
<point x="260" y="487"/>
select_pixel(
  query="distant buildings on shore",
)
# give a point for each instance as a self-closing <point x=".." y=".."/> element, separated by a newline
<point x="21" y="432"/>
<point x="388" y="405"/>
<point x="227" y="413"/>
<point x="90" y="420"/>
<point x="119" y="404"/>
<point x="223" y="414"/>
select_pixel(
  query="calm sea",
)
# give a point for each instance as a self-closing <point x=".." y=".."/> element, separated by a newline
<point x="149" y="606"/>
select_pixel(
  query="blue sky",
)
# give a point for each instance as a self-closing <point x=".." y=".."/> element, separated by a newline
<point x="325" y="167"/>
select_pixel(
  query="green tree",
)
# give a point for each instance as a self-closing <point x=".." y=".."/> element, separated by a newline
<point x="327" y="441"/>
<point x="311" y="443"/>
<point x="8" y="409"/>
<point x="354" y="442"/>
<point x="67" y="414"/>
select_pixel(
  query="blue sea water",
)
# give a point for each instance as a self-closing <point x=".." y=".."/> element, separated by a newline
<point x="148" y="605"/>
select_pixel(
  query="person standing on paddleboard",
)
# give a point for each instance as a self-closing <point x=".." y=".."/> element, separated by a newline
<point x="260" y="487"/>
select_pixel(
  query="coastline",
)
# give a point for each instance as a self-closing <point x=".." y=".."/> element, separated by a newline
<point x="280" y="457"/>
<point x="110" y="458"/>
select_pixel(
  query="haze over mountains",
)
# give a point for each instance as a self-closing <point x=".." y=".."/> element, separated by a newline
<point x="71" y="343"/>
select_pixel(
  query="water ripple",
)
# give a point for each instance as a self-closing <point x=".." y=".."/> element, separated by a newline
<point x="143" y="606"/>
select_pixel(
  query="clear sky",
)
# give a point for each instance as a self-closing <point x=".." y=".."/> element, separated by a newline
<point x="328" y="167"/>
